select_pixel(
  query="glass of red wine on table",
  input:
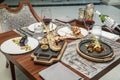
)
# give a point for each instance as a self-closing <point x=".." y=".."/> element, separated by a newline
<point x="39" y="30"/>
<point x="46" y="15"/>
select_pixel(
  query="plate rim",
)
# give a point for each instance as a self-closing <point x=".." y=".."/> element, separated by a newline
<point x="95" y="59"/>
<point x="17" y="52"/>
<point x="40" y="23"/>
<point x="90" y="53"/>
<point x="73" y="36"/>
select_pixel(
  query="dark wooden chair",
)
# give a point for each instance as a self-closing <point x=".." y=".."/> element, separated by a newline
<point x="17" y="17"/>
<point x="1" y="1"/>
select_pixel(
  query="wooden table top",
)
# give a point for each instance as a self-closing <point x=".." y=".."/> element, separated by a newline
<point x="27" y="65"/>
<point x="24" y="61"/>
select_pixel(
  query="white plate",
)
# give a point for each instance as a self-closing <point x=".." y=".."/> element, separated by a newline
<point x="66" y="31"/>
<point x="31" y="27"/>
<point x="10" y="47"/>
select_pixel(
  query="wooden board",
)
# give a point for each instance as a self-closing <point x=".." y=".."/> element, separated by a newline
<point x="104" y="59"/>
<point x="51" y="60"/>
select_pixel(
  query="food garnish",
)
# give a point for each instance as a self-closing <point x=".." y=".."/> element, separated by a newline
<point x="43" y="41"/>
<point x="51" y="39"/>
<point x="22" y="42"/>
<point x="95" y="46"/>
<point x="44" y="47"/>
<point x="76" y="31"/>
<point x="53" y="43"/>
<point x="26" y="47"/>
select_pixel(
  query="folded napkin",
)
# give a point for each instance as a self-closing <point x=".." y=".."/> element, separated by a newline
<point x="59" y="72"/>
<point x="109" y="35"/>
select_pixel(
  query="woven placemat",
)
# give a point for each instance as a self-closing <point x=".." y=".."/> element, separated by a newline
<point x="88" y="68"/>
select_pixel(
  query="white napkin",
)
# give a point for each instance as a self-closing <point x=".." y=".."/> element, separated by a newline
<point x="109" y="35"/>
<point x="59" y="72"/>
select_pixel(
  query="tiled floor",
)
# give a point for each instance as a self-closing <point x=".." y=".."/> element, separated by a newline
<point x="5" y="72"/>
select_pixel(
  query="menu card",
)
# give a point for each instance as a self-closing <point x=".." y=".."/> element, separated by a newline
<point x="59" y="72"/>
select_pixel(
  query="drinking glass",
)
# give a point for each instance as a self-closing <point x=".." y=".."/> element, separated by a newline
<point x="46" y="15"/>
<point x="38" y="32"/>
<point x="81" y="14"/>
<point x="97" y="31"/>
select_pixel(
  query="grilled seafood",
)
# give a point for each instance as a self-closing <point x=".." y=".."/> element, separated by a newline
<point x="76" y="31"/>
<point x="43" y="41"/>
<point x="53" y="41"/>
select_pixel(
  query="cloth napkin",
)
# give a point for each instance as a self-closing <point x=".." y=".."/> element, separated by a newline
<point x="59" y="72"/>
<point x="109" y="35"/>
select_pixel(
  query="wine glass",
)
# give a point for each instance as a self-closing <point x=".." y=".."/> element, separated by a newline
<point x="46" y="15"/>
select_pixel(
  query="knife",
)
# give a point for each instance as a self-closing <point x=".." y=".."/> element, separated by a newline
<point x="26" y="32"/>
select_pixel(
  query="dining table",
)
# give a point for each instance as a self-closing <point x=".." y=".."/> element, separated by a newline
<point x="24" y="61"/>
<point x="89" y="70"/>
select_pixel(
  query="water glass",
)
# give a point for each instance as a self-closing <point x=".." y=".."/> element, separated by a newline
<point x="38" y="32"/>
<point x="97" y="31"/>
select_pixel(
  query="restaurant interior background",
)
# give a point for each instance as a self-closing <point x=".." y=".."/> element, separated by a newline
<point x="5" y="73"/>
<point x="64" y="2"/>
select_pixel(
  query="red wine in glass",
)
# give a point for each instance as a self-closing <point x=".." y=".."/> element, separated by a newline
<point x="47" y="21"/>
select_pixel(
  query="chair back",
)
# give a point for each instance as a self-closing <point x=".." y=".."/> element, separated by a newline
<point x="17" y="17"/>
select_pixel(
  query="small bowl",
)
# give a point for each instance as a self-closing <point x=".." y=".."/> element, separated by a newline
<point x="44" y="47"/>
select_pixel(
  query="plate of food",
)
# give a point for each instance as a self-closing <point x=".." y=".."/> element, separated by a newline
<point x="50" y="50"/>
<point x="45" y="52"/>
<point x="51" y="26"/>
<point x="19" y="45"/>
<point x="72" y="32"/>
<point x="96" y="50"/>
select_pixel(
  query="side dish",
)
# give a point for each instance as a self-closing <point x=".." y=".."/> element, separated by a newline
<point x="95" y="46"/>
<point x="76" y="31"/>
<point x="22" y="42"/>
<point x="44" y="47"/>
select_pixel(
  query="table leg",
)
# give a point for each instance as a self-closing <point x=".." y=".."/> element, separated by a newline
<point x="12" y="68"/>
<point x="7" y="63"/>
